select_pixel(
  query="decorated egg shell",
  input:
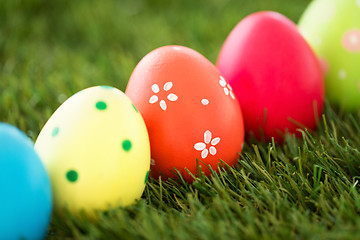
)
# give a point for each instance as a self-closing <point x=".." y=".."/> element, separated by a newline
<point x="96" y="149"/>
<point x="275" y="75"/>
<point x="332" y="27"/>
<point x="26" y="201"/>
<point x="189" y="109"/>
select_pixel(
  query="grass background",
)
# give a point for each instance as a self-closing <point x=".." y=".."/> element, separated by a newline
<point x="306" y="188"/>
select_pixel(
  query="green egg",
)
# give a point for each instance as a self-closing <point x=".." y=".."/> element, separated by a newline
<point x="332" y="28"/>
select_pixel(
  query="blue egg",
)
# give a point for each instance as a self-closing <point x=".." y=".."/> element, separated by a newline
<point x="25" y="190"/>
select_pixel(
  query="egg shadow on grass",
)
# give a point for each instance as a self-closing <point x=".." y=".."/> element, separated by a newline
<point x="199" y="176"/>
<point x="64" y="222"/>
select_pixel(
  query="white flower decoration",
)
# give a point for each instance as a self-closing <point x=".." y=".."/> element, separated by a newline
<point x="227" y="88"/>
<point x="154" y="98"/>
<point x="202" y="146"/>
<point x="205" y="101"/>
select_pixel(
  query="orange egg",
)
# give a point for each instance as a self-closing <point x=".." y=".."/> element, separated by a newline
<point x="189" y="109"/>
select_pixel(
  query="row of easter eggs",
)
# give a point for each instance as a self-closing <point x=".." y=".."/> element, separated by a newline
<point x="96" y="147"/>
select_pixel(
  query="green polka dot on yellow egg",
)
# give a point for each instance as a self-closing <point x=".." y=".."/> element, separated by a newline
<point x="147" y="176"/>
<point x="126" y="145"/>
<point x="106" y="87"/>
<point x="55" y="132"/>
<point x="72" y="176"/>
<point x="134" y="107"/>
<point x="101" y="105"/>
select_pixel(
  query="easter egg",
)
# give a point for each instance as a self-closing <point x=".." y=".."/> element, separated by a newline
<point x="191" y="112"/>
<point x="275" y="75"/>
<point x="332" y="27"/>
<point x="96" y="149"/>
<point x="25" y="199"/>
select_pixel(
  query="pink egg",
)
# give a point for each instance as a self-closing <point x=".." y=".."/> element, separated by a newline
<point x="274" y="74"/>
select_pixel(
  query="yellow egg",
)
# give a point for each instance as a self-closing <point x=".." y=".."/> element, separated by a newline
<point x="96" y="150"/>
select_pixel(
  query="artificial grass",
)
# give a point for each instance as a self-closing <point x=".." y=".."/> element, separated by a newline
<point x="306" y="188"/>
